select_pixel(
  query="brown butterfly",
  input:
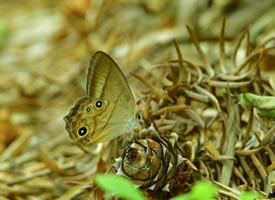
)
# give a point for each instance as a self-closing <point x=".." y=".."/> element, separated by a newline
<point x="108" y="109"/>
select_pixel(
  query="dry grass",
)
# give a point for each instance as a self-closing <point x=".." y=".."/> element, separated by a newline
<point x="179" y="86"/>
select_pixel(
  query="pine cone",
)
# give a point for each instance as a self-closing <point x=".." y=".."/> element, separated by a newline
<point x="152" y="162"/>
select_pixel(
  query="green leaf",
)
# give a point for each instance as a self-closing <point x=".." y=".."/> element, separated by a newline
<point x="121" y="186"/>
<point x="264" y="104"/>
<point x="261" y="102"/>
<point x="203" y="190"/>
<point x="267" y="114"/>
<point x="249" y="195"/>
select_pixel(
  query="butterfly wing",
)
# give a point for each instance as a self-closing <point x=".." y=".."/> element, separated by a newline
<point x="106" y="81"/>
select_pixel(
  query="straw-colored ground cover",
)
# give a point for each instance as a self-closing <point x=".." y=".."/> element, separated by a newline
<point x="184" y="79"/>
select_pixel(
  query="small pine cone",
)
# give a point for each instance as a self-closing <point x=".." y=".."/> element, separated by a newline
<point x="151" y="162"/>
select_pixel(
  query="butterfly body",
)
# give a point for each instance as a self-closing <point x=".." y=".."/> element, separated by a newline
<point x="108" y="110"/>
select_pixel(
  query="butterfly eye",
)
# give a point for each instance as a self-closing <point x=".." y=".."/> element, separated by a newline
<point x="82" y="131"/>
<point x="88" y="109"/>
<point x="98" y="104"/>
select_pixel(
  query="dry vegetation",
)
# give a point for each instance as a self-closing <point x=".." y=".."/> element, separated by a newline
<point x="179" y="76"/>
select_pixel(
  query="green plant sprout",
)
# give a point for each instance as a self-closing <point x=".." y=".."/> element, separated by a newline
<point x="202" y="190"/>
<point x="124" y="188"/>
<point x="119" y="185"/>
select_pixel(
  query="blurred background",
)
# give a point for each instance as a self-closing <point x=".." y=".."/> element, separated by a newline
<point x="45" y="47"/>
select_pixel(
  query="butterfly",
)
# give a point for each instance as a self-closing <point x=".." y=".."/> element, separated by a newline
<point x="108" y="110"/>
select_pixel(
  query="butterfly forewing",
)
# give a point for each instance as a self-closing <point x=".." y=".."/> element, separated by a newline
<point x="105" y="80"/>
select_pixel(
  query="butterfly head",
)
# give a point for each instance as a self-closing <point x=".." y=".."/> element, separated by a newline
<point x="81" y="120"/>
